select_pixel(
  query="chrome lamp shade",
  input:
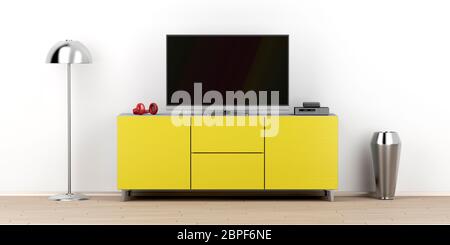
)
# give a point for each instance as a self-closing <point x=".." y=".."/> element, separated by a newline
<point x="69" y="52"/>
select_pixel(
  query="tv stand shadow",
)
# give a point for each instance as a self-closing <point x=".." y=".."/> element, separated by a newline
<point x="127" y="195"/>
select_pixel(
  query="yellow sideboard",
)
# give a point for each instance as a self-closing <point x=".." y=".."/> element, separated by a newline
<point x="251" y="153"/>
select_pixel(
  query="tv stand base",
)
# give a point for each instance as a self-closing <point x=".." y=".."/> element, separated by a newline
<point x="128" y="195"/>
<point x="329" y="194"/>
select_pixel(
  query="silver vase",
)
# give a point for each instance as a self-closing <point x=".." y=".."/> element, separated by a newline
<point x="385" y="148"/>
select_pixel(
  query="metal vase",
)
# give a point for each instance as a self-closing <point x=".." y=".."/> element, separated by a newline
<point x="385" y="148"/>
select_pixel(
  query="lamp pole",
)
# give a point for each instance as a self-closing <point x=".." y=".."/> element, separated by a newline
<point x="69" y="129"/>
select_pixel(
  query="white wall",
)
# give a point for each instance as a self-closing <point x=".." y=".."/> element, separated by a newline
<point x="377" y="64"/>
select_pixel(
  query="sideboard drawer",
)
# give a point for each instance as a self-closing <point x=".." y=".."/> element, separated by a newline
<point x="245" y="136"/>
<point x="228" y="171"/>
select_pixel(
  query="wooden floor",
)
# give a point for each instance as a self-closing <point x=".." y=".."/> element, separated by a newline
<point x="110" y="210"/>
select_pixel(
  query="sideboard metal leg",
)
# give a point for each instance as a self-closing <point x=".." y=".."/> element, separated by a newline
<point x="126" y="195"/>
<point x="330" y="195"/>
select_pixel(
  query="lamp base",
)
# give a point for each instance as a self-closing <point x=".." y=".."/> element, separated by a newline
<point x="68" y="197"/>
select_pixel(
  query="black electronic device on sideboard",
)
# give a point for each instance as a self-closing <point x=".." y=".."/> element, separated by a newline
<point x="311" y="108"/>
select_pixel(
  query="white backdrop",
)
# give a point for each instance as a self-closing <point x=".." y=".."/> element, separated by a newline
<point x="378" y="65"/>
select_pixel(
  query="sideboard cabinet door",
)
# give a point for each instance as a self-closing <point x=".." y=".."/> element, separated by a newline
<point x="304" y="153"/>
<point x="152" y="153"/>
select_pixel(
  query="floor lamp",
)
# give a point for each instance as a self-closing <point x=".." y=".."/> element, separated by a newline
<point x="69" y="52"/>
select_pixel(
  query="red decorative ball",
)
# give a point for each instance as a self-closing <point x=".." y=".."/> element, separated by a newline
<point x="153" y="109"/>
<point x="139" y="109"/>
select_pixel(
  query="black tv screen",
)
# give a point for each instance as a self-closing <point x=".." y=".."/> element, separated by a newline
<point x="228" y="63"/>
